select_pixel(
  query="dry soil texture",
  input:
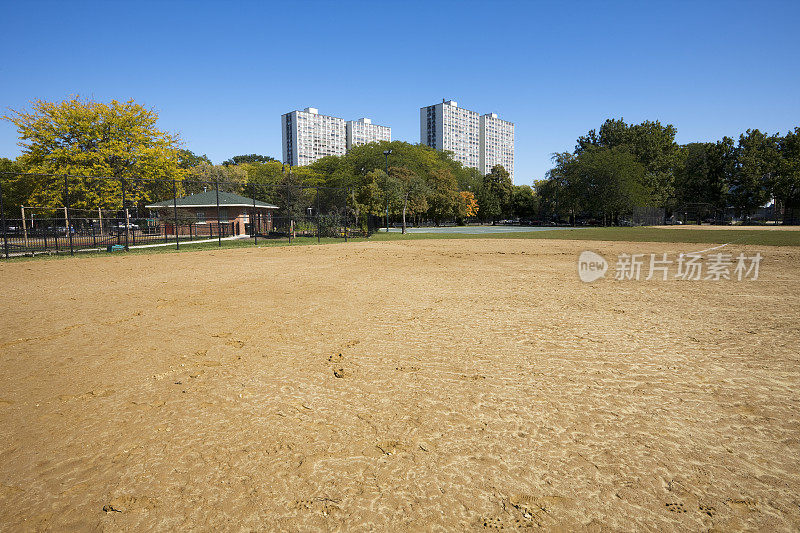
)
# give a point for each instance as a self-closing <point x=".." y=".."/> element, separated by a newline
<point x="447" y="384"/>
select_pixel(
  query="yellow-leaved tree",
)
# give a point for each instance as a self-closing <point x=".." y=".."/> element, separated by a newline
<point x="78" y="137"/>
<point x="468" y="206"/>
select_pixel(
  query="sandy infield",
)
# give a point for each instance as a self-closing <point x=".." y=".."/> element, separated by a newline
<point x="480" y="386"/>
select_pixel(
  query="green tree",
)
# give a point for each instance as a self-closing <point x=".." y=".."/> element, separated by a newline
<point x="202" y="176"/>
<point x="757" y="158"/>
<point x="470" y="179"/>
<point x="188" y="159"/>
<point x="269" y="181"/>
<point x="558" y="196"/>
<point x="17" y="188"/>
<point x="651" y="143"/>
<point x="248" y="158"/>
<point x="702" y="177"/>
<point x="786" y="186"/>
<point x="443" y="177"/>
<point x="370" y="197"/>
<point x="269" y="173"/>
<point x="608" y="182"/>
<point x="524" y="202"/>
<point x="408" y="187"/>
<point x="494" y="197"/>
<point x="442" y="197"/>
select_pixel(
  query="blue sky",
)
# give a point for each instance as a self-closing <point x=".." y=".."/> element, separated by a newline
<point x="221" y="74"/>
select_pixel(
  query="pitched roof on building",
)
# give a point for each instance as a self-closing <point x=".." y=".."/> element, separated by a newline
<point x="209" y="199"/>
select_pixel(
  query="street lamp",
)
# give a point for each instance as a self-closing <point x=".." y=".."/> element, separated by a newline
<point x="386" y="189"/>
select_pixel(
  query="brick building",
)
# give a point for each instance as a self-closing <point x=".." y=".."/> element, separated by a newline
<point x="235" y="212"/>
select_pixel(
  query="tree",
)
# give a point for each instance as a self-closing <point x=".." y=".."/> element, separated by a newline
<point x="469" y="179"/>
<point x="494" y="197"/>
<point x="370" y="197"/>
<point x="16" y="187"/>
<point x="547" y="193"/>
<point x="188" y="159"/>
<point x="249" y="158"/>
<point x="558" y="195"/>
<point x="269" y="173"/>
<point x="653" y="146"/>
<point x="751" y="182"/>
<point x="786" y="186"/>
<point x="89" y="138"/>
<point x="467" y="206"/>
<point x="524" y="203"/>
<point x="489" y="205"/>
<point x="607" y="181"/>
<point x="269" y="180"/>
<point x="204" y="174"/>
<point x="702" y="177"/>
<point x="443" y="195"/>
<point x="407" y="186"/>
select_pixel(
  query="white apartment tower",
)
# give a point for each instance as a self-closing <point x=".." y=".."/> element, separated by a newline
<point x="308" y="136"/>
<point x="497" y="144"/>
<point x="363" y="131"/>
<point x="448" y="127"/>
<point x="478" y="142"/>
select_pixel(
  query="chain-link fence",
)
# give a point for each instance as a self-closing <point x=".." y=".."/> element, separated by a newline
<point x="647" y="216"/>
<point x="43" y="213"/>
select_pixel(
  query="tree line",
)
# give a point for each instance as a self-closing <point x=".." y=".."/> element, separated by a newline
<point x="610" y="173"/>
<point x="623" y="166"/>
<point x="122" y="140"/>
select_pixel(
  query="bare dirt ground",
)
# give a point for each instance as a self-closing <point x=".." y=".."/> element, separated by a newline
<point x="480" y="386"/>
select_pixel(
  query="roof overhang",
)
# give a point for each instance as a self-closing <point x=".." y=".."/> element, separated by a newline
<point x="156" y="206"/>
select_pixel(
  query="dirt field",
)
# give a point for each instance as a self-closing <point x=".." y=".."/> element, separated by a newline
<point x="480" y="385"/>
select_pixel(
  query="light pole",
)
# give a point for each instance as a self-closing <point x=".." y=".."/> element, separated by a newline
<point x="289" y="226"/>
<point x="386" y="189"/>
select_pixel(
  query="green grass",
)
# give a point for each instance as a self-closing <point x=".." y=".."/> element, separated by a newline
<point x="645" y="234"/>
<point x="186" y="246"/>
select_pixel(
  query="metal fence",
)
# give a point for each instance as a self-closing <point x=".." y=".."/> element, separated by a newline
<point x="43" y="213"/>
<point x="647" y="216"/>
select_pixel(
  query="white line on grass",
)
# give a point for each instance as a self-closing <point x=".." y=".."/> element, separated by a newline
<point x="234" y="238"/>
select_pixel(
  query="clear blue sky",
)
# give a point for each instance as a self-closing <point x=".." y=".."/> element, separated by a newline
<point x="221" y="74"/>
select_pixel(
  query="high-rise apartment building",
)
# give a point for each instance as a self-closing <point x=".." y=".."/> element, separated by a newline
<point x="478" y="142"/>
<point x="363" y="131"/>
<point x="448" y="127"/>
<point x="497" y="144"/>
<point x="308" y="136"/>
